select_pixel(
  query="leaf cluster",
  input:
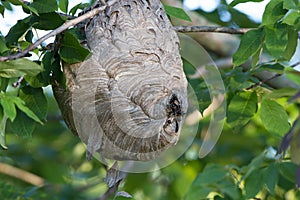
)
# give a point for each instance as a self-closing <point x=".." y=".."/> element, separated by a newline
<point x="241" y="166"/>
<point x="277" y="34"/>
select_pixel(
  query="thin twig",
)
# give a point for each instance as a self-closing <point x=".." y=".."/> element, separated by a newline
<point x="215" y="29"/>
<point x="110" y="191"/>
<point x="295" y="64"/>
<point x="271" y="78"/>
<point x="63" y="27"/>
<point x="263" y="81"/>
<point x="66" y="15"/>
<point x="21" y="174"/>
<point x="18" y="82"/>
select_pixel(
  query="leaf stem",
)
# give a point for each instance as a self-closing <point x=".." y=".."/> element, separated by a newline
<point x="215" y="29"/>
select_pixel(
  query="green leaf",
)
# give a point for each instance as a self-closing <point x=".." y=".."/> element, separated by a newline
<point x="47" y="21"/>
<point x="177" y="12"/>
<point x="241" y="19"/>
<point x="3" y="46"/>
<point x="78" y="33"/>
<point x="33" y="10"/>
<point x="26" y="7"/>
<point x="35" y="100"/>
<point x="235" y="2"/>
<point x="197" y="193"/>
<point x="71" y="51"/>
<point x="8" y="103"/>
<point x="188" y="68"/>
<point x="274" y="117"/>
<point x="292" y="74"/>
<point x="63" y="5"/>
<point x="23" y="45"/>
<point x="21" y="105"/>
<point x="44" y="6"/>
<point x="271" y="177"/>
<point x="19" y="67"/>
<point x="36" y="81"/>
<point x="276" y="40"/>
<point x="239" y="79"/>
<point x="45" y="76"/>
<point x="288" y="169"/>
<point x="255" y="58"/>
<point x="251" y="43"/>
<point x="202" y="92"/>
<point x="241" y="109"/>
<point x="198" y="85"/>
<point x="279" y="93"/>
<point x="200" y="188"/>
<point x="3" y="119"/>
<point x="277" y="68"/>
<point x="7" y="5"/>
<point x="3" y="84"/>
<point x="211" y="174"/>
<point x="23" y="125"/>
<point x="2" y="10"/>
<point x="17" y="31"/>
<point x="273" y="12"/>
<point x="203" y="97"/>
<point x="56" y="72"/>
<point x="79" y="6"/>
<point x="229" y="187"/>
<point x="290" y="4"/>
<point x="253" y="183"/>
<point x="256" y="163"/>
<point x="29" y="36"/>
<point x="8" y="106"/>
<point x="293" y="19"/>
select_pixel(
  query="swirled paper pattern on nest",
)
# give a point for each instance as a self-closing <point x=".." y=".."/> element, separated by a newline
<point x="129" y="98"/>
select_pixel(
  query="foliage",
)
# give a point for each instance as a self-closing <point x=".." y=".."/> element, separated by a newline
<point x="177" y="12"/>
<point x="248" y="161"/>
<point x="275" y="35"/>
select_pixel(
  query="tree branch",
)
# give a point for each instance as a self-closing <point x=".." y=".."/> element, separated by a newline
<point x="110" y="191"/>
<point x="274" y="80"/>
<point x="73" y="22"/>
<point x="21" y="174"/>
<point x="215" y="29"/>
<point x="263" y="81"/>
<point x="113" y="179"/>
<point x="60" y="29"/>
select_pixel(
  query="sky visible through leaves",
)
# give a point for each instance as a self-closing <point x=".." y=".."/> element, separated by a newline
<point x="256" y="14"/>
<point x="253" y="9"/>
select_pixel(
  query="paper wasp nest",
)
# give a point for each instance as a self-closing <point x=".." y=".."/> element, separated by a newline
<point x="129" y="98"/>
